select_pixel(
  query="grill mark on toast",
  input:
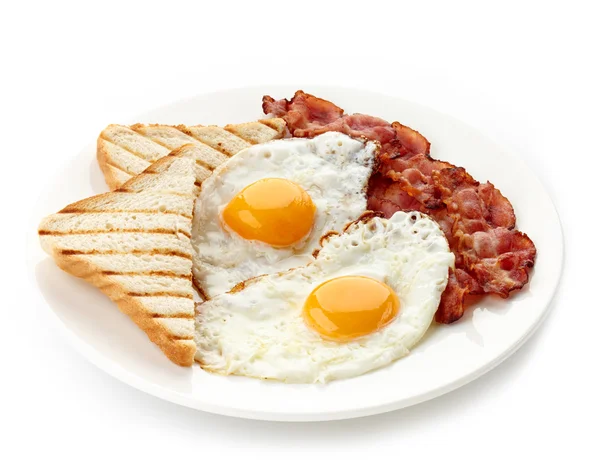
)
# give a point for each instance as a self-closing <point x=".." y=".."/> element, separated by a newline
<point x="125" y="149"/>
<point x="221" y="149"/>
<point x="136" y="128"/>
<point x="269" y="124"/>
<point x="98" y="231"/>
<point x="198" y="184"/>
<point x="204" y="164"/>
<point x="249" y="141"/>
<point x="150" y="171"/>
<point x="136" y="211"/>
<point x="218" y="149"/>
<point x="161" y="294"/>
<point x="148" y="273"/>
<point x="124" y="189"/>
<point x="179" y="128"/>
<point x="122" y="169"/>
<point x="157" y="251"/>
<point x="175" y="315"/>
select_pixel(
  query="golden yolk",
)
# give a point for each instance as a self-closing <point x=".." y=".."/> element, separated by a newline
<point x="272" y="210"/>
<point x="348" y="307"/>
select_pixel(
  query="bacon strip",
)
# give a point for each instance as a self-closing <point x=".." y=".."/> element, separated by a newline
<point x="460" y="284"/>
<point x="307" y="116"/>
<point x="413" y="174"/>
<point x="495" y="254"/>
<point x="473" y="205"/>
<point x="478" y="221"/>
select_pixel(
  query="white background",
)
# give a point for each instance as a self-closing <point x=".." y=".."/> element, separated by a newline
<point x="524" y="73"/>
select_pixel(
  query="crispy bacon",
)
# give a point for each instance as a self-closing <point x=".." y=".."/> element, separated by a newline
<point x="499" y="259"/>
<point x="460" y="284"/>
<point x="411" y="139"/>
<point x="387" y="196"/>
<point x="451" y="306"/>
<point x="307" y="116"/>
<point x="413" y="174"/>
<point x="499" y="211"/>
<point x="495" y="254"/>
<point x="472" y="204"/>
<point x="271" y="106"/>
<point x="385" y="189"/>
<point x="478" y="221"/>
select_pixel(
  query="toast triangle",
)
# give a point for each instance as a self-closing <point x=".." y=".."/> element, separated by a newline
<point x="134" y="245"/>
<point x="125" y="151"/>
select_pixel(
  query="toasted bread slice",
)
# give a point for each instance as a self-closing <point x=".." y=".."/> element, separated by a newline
<point x="134" y="245"/>
<point x="125" y="151"/>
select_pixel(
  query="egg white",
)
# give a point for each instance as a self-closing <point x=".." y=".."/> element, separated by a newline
<point x="259" y="331"/>
<point x="332" y="168"/>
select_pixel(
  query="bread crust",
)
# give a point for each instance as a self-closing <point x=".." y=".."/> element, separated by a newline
<point x="108" y="170"/>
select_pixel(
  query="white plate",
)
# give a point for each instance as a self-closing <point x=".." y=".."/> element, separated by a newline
<point x="447" y="357"/>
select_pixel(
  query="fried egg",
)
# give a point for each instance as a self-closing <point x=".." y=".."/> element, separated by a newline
<point x="265" y="209"/>
<point x="365" y="300"/>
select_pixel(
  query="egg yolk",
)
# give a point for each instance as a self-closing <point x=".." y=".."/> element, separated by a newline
<point x="272" y="210"/>
<point x="348" y="307"/>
